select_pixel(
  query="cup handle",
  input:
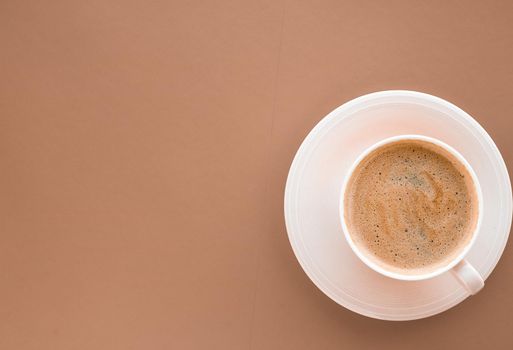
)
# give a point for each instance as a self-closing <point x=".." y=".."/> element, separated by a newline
<point x="468" y="277"/>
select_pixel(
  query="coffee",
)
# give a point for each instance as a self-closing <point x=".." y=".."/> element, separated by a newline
<point x="411" y="206"/>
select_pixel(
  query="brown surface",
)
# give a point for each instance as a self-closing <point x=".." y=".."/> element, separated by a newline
<point x="145" y="147"/>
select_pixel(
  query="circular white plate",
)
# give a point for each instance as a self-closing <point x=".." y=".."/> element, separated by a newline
<point x="313" y="191"/>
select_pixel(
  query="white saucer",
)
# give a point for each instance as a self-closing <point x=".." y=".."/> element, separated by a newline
<point x="313" y="191"/>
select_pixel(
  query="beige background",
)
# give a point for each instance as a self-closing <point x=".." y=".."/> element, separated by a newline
<point x="145" y="146"/>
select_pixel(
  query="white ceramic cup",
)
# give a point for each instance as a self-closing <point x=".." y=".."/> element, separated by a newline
<point x="461" y="269"/>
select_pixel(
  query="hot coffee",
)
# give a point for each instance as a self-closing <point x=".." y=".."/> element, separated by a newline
<point x="411" y="206"/>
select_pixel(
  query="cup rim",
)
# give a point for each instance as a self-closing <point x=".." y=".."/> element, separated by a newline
<point x="375" y="266"/>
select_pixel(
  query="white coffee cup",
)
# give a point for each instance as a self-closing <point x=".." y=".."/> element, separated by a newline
<point x="466" y="274"/>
